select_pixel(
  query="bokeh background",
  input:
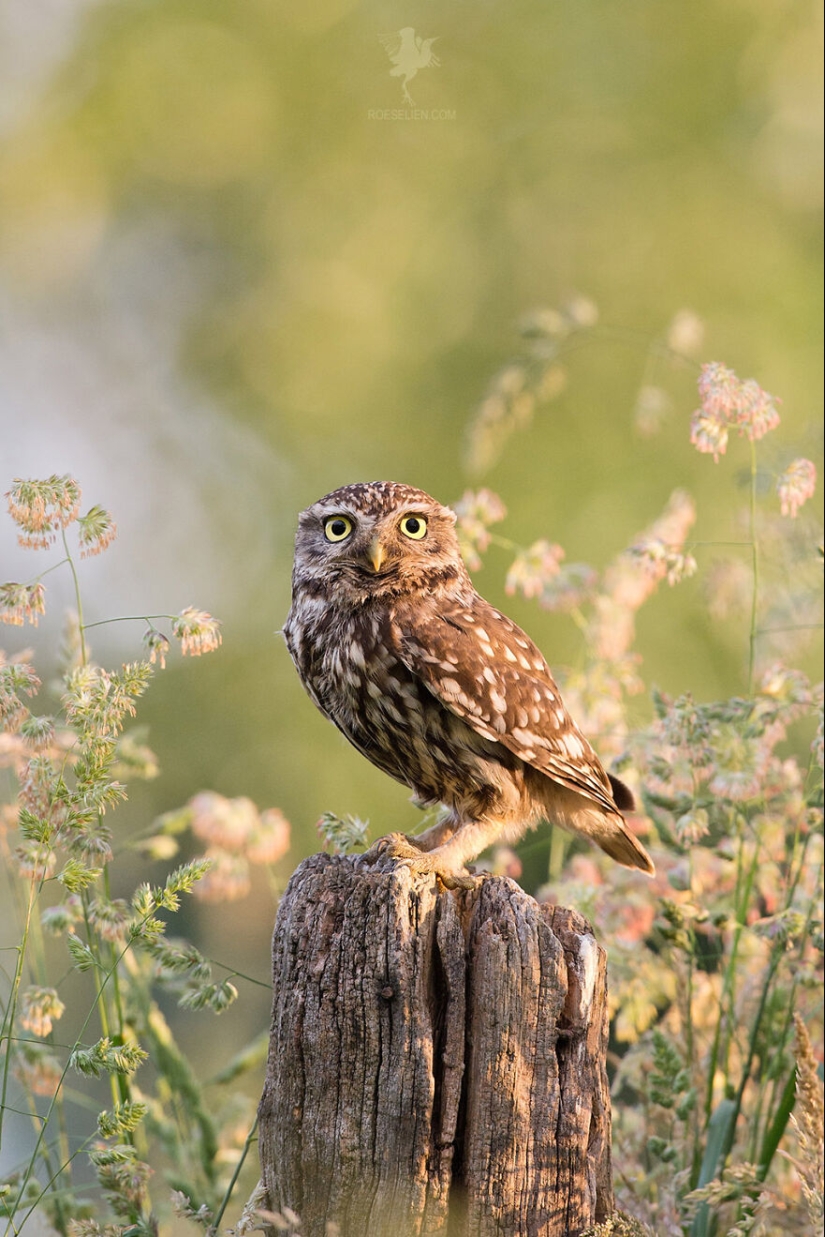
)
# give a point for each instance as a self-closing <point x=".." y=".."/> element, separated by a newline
<point x="231" y="279"/>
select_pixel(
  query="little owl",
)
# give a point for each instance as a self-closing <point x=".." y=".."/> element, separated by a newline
<point x="438" y="688"/>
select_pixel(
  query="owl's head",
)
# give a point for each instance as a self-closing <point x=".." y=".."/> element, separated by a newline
<point x="379" y="537"/>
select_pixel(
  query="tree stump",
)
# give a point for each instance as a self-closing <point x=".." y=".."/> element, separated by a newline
<point x="437" y="1060"/>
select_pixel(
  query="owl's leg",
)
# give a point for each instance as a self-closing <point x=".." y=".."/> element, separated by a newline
<point x="445" y="861"/>
<point x="437" y="834"/>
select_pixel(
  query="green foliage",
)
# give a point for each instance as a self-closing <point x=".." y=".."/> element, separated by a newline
<point x="710" y="961"/>
<point x="58" y="852"/>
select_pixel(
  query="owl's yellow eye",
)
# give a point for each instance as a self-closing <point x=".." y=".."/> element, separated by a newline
<point x="414" y="526"/>
<point x="337" y="528"/>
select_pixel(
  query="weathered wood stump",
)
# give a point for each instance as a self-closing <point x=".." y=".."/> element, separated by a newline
<point x="433" y="1053"/>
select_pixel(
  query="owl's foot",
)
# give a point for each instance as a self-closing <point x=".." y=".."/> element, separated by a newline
<point x="398" y="848"/>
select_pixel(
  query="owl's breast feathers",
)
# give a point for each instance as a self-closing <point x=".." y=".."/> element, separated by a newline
<point x="349" y="662"/>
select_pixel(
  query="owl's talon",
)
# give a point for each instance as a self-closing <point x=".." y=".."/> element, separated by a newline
<point x="450" y="881"/>
<point x="397" y="848"/>
<point x="391" y="846"/>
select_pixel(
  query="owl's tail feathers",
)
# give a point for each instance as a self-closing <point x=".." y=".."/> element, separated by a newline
<point x="621" y="845"/>
<point x="607" y="829"/>
<point x="616" y="840"/>
<point x="622" y="794"/>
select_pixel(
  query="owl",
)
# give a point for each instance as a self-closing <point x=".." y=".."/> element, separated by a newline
<point x="438" y="688"/>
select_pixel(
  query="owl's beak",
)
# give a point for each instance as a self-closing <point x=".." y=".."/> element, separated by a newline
<point x="376" y="554"/>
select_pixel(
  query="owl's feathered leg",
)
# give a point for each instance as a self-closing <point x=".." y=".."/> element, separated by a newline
<point x="437" y="834"/>
<point x="445" y="861"/>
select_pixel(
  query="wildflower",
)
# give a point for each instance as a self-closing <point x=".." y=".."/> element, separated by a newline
<point x="533" y="568"/>
<point x="632" y="577"/>
<point x="570" y="587"/>
<point x="342" y="834"/>
<point x="135" y="759"/>
<point x="475" y="512"/>
<point x="709" y="435"/>
<point x="16" y="678"/>
<point x="20" y="603"/>
<point x="508" y="405"/>
<point x="741" y="764"/>
<point x="35" y="860"/>
<point x="97" y="530"/>
<point x="110" y="919"/>
<point x="787" y="686"/>
<point x="691" y="826"/>
<point x="182" y="1208"/>
<point x="40" y="1008"/>
<point x="686" y="332"/>
<point x="158" y="646"/>
<point x="62" y="917"/>
<point x="36" y="1068"/>
<point x="660" y="559"/>
<point x="270" y="840"/>
<point x="227" y="879"/>
<point x="612" y="626"/>
<point x="718" y="391"/>
<point x="122" y="1176"/>
<point x="40" y="508"/>
<point x="197" y="631"/>
<point x="159" y="846"/>
<point x="756" y="413"/>
<point x="795" y="486"/>
<point x="226" y="823"/>
<point x="727" y="402"/>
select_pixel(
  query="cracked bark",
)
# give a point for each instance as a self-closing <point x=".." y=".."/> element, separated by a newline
<point x="437" y="1060"/>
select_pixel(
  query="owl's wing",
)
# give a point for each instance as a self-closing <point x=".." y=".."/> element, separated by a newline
<point x="482" y="666"/>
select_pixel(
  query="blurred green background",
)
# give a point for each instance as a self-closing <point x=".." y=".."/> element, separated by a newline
<point x="227" y="287"/>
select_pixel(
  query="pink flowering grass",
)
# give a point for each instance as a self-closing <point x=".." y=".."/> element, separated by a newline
<point x="115" y="957"/>
<point x="714" y="962"/>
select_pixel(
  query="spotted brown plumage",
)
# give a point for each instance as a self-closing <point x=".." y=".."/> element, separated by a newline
<point x="435" y="686"/>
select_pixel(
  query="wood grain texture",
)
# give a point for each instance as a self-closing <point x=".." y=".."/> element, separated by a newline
<point x="437" y="1060"/>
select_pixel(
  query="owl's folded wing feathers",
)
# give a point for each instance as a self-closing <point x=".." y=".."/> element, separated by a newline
<point x="482" y="666"/>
